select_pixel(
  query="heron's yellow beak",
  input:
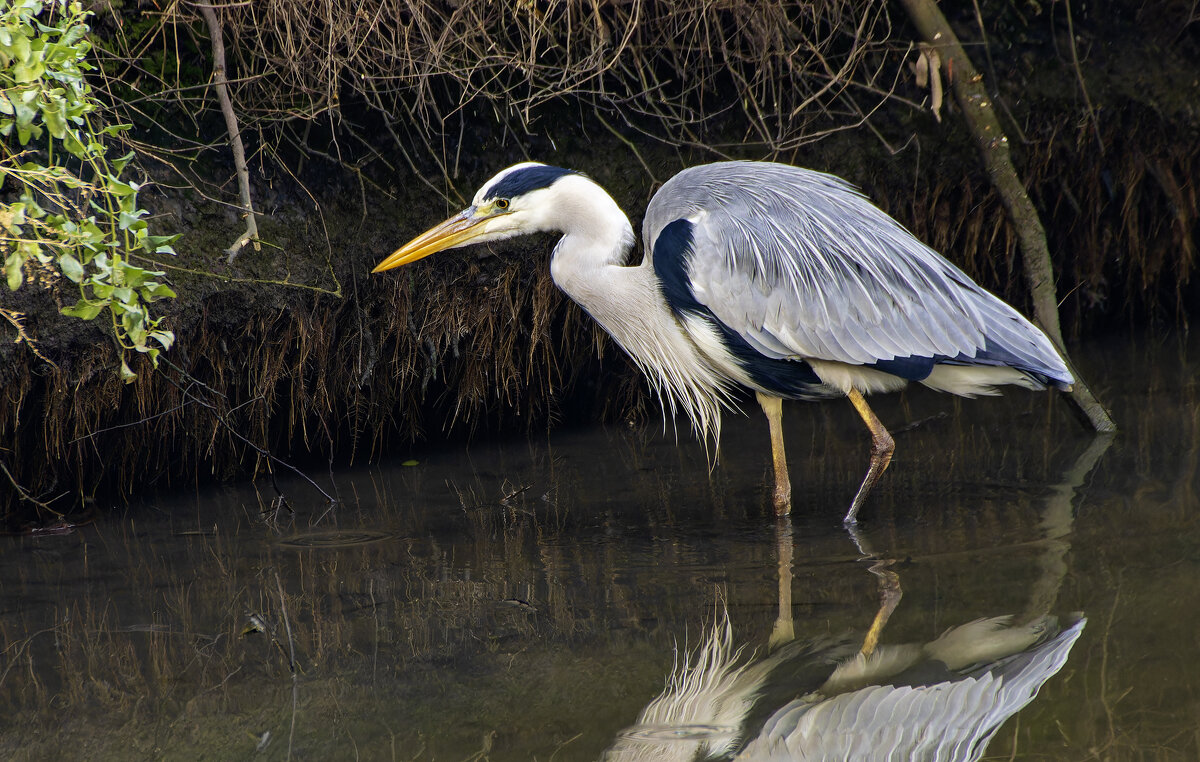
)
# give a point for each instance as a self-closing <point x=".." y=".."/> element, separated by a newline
<point x="457" y="230"/>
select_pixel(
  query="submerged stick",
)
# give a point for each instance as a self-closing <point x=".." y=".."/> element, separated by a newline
<point x="981" y="119"/>
<point x="217" y="38"/>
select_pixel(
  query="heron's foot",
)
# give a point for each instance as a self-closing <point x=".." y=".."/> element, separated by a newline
<point x="782" y="633"/>
<point x="784" y="630"/>
<point x="851" y="518"/>
<point x="882" y="447"/>
<point x="860" y="542"/>
<point x="773" y="408"/>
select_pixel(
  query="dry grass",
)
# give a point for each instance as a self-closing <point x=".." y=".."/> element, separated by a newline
<point x="324" y="377"/>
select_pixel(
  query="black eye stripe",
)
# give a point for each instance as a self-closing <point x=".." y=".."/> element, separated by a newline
<point x="524" y="180"/>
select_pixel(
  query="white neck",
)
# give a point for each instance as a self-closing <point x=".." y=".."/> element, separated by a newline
<point x="596" y="233"/>
<point x="589" y="264"/>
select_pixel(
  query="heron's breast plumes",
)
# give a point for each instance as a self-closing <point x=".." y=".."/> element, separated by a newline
<point x="589" y="264"/>
<point x="630" y="307"/>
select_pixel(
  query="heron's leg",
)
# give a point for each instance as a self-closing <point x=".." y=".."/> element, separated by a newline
<point x="773" y="407"/>
<point x="889" y="597"/>
<point x="882" y="447"/>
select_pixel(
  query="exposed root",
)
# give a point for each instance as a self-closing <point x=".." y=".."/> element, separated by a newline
<point x="15" y="319"/>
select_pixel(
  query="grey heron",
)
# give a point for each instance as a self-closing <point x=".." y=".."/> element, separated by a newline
<point x="785" y="281"/>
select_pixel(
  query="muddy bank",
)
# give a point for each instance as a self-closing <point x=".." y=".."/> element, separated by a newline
<point x="295" y="350"/>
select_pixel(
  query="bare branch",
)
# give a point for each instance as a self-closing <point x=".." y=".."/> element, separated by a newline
<point x="217" y="38"/>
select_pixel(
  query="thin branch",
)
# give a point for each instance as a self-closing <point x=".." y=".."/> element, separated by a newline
<point x="287" y="625"/>
<point x="337" y="291"/>
<point x="138" y="422"/>
<point x="24" y="493"/>
<point x="1087" y="99"/>
<point x="980" y="117"/>
<point x="235" y="136"/>
<point x="630" y="145"/>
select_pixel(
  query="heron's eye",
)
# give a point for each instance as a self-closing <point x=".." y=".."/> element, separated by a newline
<point x="501" y="203"/>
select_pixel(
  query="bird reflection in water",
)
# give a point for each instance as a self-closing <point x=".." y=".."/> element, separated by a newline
<point x="942" y="700"/>
<point x="846" y="698"/>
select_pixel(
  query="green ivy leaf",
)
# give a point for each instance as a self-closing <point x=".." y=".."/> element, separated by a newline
<point x="55" y="119"/>
<point x="135" y="332"/>
<point x="127" y="375"/>
<point x="12" y="270"/>
<point x="19" y="45"/>
<point x="128" y="220"/>
<point x="30" y="71"/>
<point x="155" y="291"/>
<point x="120" y="162"/>
<point x="14" y="217"/>
<point x="73" y="35"/>
<point x="132" y="276"/>
<point x="83" y="309"/>
<point x="71" y="268"/>
<point x="75" y="146"/>
<point x="114" y="130"/>
<point x="118" y="187"/>
<point x="165" y="338"/>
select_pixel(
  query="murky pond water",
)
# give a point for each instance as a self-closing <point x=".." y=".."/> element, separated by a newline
<point x="601" y="594"/>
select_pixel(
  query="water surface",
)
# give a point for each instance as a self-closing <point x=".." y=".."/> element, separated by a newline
<point x="529" y="598"/>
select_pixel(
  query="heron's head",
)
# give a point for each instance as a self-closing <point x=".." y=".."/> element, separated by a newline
<point x="512" y="203"/>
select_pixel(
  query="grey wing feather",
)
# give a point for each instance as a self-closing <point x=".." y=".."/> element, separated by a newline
<point x="802" y="265"/>
<point x="944" y="721"/>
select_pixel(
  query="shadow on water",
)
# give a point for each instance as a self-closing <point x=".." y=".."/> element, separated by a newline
<point x="601" y="595"/>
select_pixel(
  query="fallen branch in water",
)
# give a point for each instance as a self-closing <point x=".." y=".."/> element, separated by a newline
<point x="23" y="493"/>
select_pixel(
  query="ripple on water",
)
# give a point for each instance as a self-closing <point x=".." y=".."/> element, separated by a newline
<point x="336" y="538"/>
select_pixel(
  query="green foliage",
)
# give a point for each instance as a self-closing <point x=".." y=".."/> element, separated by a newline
<point x="73" y="216"/>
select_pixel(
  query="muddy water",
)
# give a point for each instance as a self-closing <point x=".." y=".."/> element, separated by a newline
<point x="529" y="599"/>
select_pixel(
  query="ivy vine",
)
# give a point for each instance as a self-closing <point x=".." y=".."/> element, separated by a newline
<point x="65" y="210"/>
